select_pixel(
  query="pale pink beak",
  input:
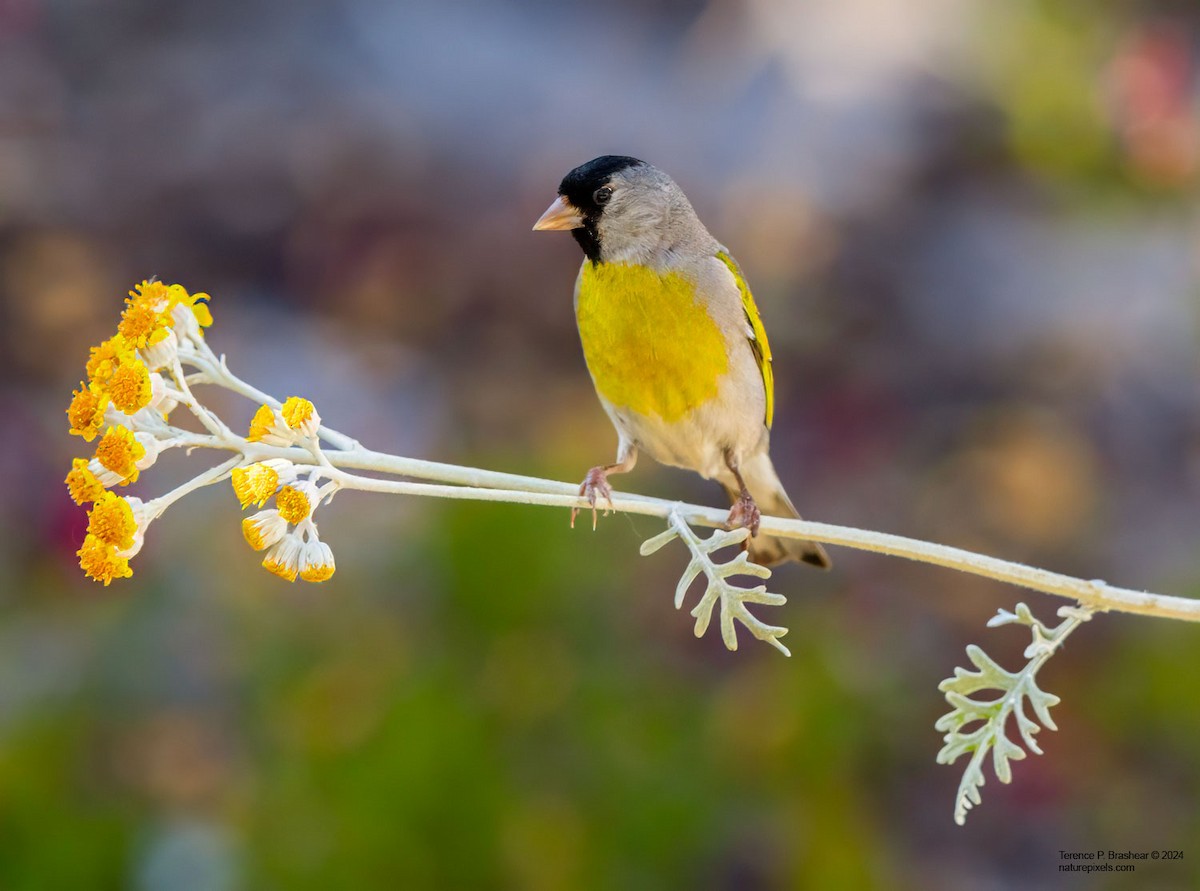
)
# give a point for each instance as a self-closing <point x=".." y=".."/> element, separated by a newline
<point x="559" y="215"/>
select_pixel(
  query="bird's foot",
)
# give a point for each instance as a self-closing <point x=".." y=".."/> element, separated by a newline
<point x="745" y="513"/>
<point x="594" y="484"/>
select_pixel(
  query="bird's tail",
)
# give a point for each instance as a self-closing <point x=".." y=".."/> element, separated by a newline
<point x="772" y="500"/>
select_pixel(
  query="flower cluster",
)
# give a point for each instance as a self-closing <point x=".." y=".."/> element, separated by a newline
<point x="287" y="531"/>
<point x="135" y="380"/>
<point x="126" y="403"/>
<point x="125" y="371"/>
<point x="293" y="422"/>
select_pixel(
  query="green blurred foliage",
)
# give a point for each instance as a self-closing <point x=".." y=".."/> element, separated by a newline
<point x="1046" y="67"/>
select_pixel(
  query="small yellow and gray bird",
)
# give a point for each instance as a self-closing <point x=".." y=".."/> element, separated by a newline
<point x="674" y="343"/>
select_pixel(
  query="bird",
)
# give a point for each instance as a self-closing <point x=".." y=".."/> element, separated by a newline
<point x="674" y="344"/>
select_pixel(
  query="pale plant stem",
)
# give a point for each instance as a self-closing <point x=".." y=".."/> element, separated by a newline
<point x="210" y="476"/>
<point x="484" y="485"/>
<point x="212" y="424"/>
<point x="187" y="440"/>
<point x="1096" y="594"/>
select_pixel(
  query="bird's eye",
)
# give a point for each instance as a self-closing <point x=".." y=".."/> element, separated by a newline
<point x="601" y="195"/>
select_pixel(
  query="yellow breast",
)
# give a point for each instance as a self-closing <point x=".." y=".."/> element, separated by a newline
<point x="651" y="346"/>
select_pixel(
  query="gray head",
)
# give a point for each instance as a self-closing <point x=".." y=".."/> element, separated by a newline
<point x="622" y="209"/>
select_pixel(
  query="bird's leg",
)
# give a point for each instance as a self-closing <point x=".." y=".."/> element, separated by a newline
<point x="596" y="482"/>
<point x="744" y="511"/>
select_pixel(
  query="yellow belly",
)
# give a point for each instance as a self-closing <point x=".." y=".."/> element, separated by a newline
<point x="651" y="346"/>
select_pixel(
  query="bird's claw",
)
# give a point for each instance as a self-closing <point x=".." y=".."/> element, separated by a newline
<point x="595" y="483"/>
<point x="745" y="513"/>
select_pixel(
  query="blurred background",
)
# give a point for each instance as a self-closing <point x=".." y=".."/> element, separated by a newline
<point x="972" y="230"/>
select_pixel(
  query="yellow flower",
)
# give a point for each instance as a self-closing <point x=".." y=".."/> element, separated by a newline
<point x="294" y="504"/>
<point x="111" y="520"/>
<point x="86" y="412"/>
<point x="264" y="529"/>
<point x="101" y="562"/>
<point x="119" y="452"/>
<point x="301" y="415"/>
<point x="143" y="323"/>
<point x="283" y="559"/>
<point x="257" y="482"/>
<point x="103" y="360"/>
<point x="82" y="483"/>
<point x="197" y="303"/>
<point x="268" y="427"/>
<point x="260" y="423"/>
<point x="316" y="561"/>
<point x="151" y="292"/>
<point x="129" y="386"/>
<point x="164" y="298"/>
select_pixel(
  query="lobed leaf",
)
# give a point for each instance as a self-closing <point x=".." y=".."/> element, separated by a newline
<point x="1015" y="689"/>
<point x="719" y="587"/>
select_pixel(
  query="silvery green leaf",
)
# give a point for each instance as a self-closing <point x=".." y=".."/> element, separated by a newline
<point x="1042" y="702"/>
<point x="703" y="611"/>
<point x="694" y="568"/>
<point x="991" y="714"/>
<point x="728" y="633"/>
<point x="719" y="589"/>
<point x="1043" y="642"/>
<point x="741" y="565"/>
<point x="989" y="670"/>
<point x="650" y="545"/>
<point x="763" y="596"/>
<point x="1002" y="617"/>
<point x="1003" y="751"/>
